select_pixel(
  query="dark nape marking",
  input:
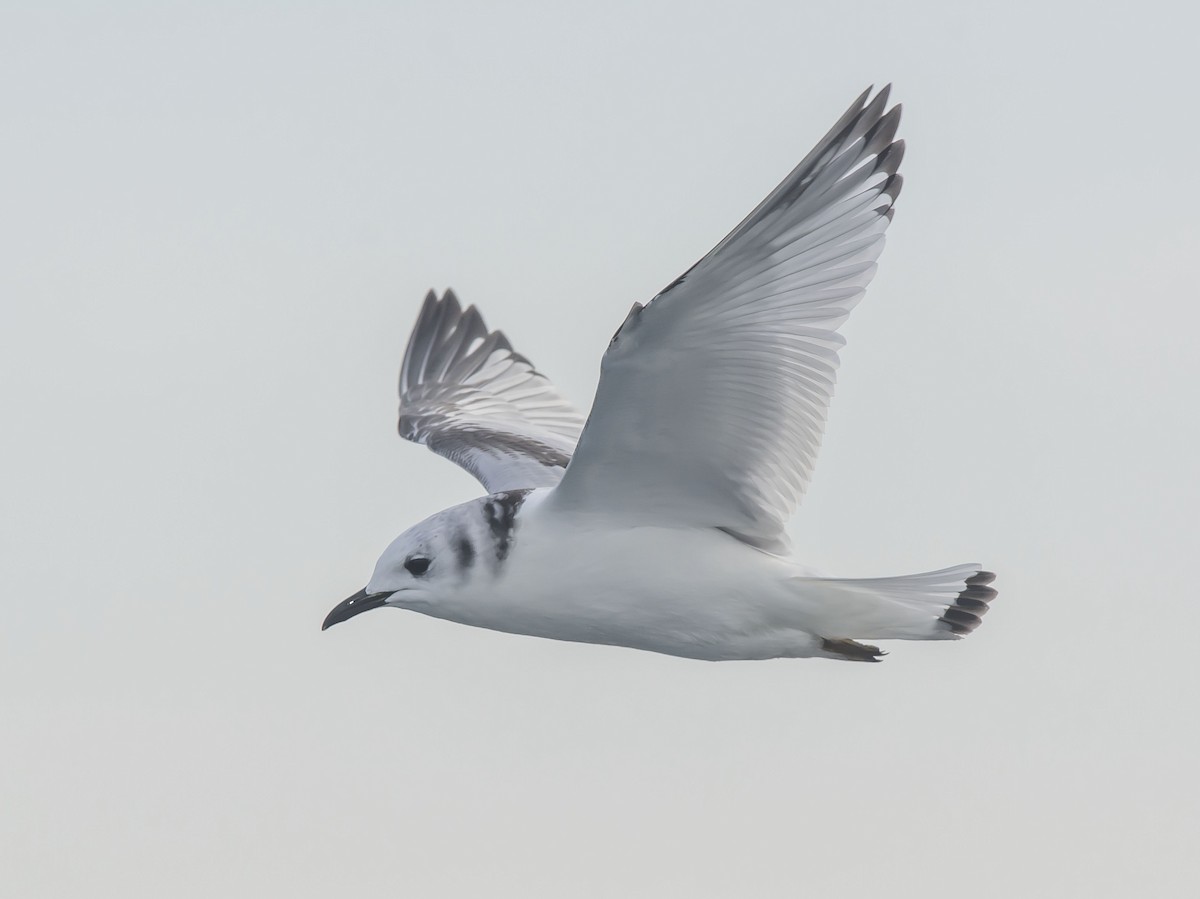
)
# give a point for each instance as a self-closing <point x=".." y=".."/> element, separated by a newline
<point x="500" y="512"/>
<point x="969" y="607"/>
<point x="464" y="550"/>
<point x="853" y="650"/>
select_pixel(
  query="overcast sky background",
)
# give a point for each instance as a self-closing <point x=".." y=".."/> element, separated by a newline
<point x="218" y="224"/>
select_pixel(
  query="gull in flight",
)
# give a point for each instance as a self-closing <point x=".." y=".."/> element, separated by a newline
<point x="659" y="523"/>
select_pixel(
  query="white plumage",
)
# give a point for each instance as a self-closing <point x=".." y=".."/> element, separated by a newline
<point x="660" y="524"/>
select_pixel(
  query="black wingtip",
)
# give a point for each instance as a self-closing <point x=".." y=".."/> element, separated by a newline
<point x="892" y="186"/>
<point x="450" y="304"/>
<point x="891" y="157"/>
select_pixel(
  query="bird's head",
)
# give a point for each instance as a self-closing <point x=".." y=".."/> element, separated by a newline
<point x="447" y="558"/>
<point x="420" y="565"/>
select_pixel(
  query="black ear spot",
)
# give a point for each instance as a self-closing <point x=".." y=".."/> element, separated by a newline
<point x="416" y="565"/>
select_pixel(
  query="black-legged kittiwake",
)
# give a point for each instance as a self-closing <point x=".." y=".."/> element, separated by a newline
<point x="659" y="524"/>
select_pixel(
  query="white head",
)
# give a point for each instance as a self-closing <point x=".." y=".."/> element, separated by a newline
<point x="438" y="557"/>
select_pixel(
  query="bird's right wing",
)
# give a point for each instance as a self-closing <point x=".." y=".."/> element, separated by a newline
<point x="468" y="396"/>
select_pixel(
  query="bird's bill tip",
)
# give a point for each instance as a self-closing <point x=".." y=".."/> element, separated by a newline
<point x="360" y="602"/>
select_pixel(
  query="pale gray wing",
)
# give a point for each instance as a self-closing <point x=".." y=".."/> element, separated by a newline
<point x="712" y="398"/>
<point x="468" y="396"/>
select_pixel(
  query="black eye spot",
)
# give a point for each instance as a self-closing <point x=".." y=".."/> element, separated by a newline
<point x="416" y="565"/>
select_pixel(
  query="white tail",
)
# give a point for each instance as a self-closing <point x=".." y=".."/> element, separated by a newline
<point x="933" y="605"/>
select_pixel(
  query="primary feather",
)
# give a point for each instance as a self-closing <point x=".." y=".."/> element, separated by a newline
<point x="468" y="396"/>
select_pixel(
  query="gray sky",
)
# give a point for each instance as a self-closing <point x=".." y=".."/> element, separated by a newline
<point x="219" y="224"/>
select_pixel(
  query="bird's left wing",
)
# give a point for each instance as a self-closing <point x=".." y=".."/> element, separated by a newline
<point x="712" y="397"/>
<point x="468" y="396"/>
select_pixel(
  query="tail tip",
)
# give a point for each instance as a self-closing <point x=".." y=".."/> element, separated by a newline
<point x="967" y="611"/>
